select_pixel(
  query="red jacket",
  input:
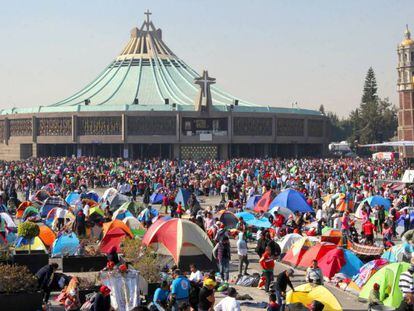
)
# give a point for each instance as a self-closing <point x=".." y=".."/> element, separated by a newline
<point x="266" y="262"/>
<point x="368" y="228"/>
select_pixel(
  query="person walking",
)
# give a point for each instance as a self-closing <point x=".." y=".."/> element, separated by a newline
<point x="242" y="253"/>
<point x="267" y="262"/>
<point x="223" y="257"/>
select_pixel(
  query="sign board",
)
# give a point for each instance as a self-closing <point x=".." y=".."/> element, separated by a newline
<point x="408" y="176"/>
<point x="206" y="137"/>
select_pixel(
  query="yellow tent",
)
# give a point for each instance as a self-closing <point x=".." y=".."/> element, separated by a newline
<point x="36" y="245"/>
<point x="306" y="293"/>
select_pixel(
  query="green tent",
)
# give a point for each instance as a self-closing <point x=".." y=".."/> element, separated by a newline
<point x="30" y="211"/>
<point x="387" y="277"/>
<point x="134" y="207"/>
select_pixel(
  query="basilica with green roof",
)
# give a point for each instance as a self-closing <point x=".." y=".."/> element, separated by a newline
<point x="149" y="103"/>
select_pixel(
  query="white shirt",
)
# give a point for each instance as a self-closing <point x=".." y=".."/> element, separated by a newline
<point x="319" y="214"/>
<point x="228" y="304"/>
<point x="60" y="213"/>
<point x="196" y="276"/>
<point x="223" y="188"/>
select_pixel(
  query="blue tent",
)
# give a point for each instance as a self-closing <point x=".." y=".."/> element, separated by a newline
<point x="66" y="244"/>
<point x="72" y="198"/>
<point x="353" y="264"/>
<point x="259" y="223"/>
<point x="251" y="202"/>
<point x="291" y="199"/>
<point x="123" y="215"/>
<point x="182" y="196"/>
<point x="91" y="195"/>
<point x="156" y="198"/>
<point x="378" y="200"/>
<point x="245" y="215"/>
<point x="45" y="209"/>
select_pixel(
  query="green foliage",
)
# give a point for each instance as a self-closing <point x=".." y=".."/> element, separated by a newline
<point x="28" y="230"/>
<point x="375" y="120"/>
<point x="15" y="279"/>
<point x="148" y="265"/>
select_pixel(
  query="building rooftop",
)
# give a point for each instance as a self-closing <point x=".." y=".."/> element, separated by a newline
<point x="143" y="77"/>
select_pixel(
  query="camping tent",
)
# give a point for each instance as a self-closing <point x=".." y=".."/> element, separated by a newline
<point x="229" y="219"/>
<point x="183" y="240"/>
<point x="288" y="240"/>
<point x="20" y="210"/>
<point x="46" y="235"/>
<point x="340" y="260"/>
<point x="114" y="198"/>
<point x="133" y="207"/>
<point x="50" y="203"/>
<point x="296" y="252"/>
<point x="107" y="226"/>
<point x="264" y="202"/>
<point x="72" y="198"/>
<point x="29" y="212"/>
<point x="252" y="201"/>
<point x="183" y="195"/>
<point x="91" y="195"/>
<point x="307" y="293"/>
<point x="395" y="253"/>
<point x="34" y="244"/>
<point x="135" y="225"/>
<point x="156" y="198"/>
<point x="317" y="252"/>
<point x="9" y="221"/>
<point x="293" y="200"/>
<point x="332" y="236"/>
<point x="66" y="244"/>
<point x="387" y="277"/>
<point x="281" y="210"/>
<point x="368" y="270"/>
<point x="121" y="213"/>
<point x="377" y="200"/>
<point x="112" y="239"/>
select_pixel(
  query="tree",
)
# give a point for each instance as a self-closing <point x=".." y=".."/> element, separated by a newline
<point x="370" y="87"/>
<point x="322" y="109"/>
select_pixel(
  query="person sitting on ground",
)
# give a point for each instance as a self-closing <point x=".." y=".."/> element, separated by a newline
<point x="196" y="276"/>
<point x="102" y="300"/>
<point x="314" y="274"/>
<point x="229" y="303"/>
<point x="206" y="295"/>
<point x="161" y="295"/>
<point x="374" y="296"/>
<point x="272" y="305"/>
<point x="407" y="304"/>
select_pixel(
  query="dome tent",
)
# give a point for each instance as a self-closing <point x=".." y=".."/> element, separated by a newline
<point x="183" y="240"/>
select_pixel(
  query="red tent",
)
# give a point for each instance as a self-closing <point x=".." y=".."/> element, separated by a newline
<point x="264" y="202"/>
<point x="112" y="239"/>
<point x="296" y="252"/>
<point x="183" y="240"/>
<point x="332" y="263"/>
<point x="315" y="252"/>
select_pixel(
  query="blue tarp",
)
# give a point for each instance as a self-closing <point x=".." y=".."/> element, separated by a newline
<point x="182" y="196"/>
<point x="123" y="215"/>
<point x="156" y="198"/>
<point x="378" y="200"/>
<point x="72" y="198"/>
<point x="251" y="202"/>
<point x="245" y="215"/>
<point x="353" y="264"/>
<point x="66" y="244"/>
<point x="291" y="199"/>
<point x="259" y="223"/>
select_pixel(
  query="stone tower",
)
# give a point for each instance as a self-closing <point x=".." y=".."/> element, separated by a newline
<point x="406" y="91"/>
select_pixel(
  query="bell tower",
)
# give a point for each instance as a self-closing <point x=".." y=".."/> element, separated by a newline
<point x="405" y="86"/>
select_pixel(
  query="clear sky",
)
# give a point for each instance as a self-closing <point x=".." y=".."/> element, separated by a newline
<point x="270" y="52"/>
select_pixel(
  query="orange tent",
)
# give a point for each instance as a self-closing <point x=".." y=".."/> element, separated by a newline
<point x="315" y="252"/>
<point x="116" y="224"/>
<point x="332" y="236"/>
<point x="47" y="235"/>
<point x="21" y="208"/>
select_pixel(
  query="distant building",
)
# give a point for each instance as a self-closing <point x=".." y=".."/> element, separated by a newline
<point x="406" y="92"/>
<point x="150" y="103"/>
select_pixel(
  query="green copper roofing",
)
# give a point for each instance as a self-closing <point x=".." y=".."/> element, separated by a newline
<point x="147" y="70"/>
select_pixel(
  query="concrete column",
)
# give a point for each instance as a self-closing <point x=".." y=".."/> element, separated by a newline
<point x="125" y="152"/>
<point x="124" y="121"/>
<point x="6" y="131"/>
<point x="274" y="122"/>
<point x="305" y="133"/>
<point x="74" y="128"/>
<point x="34" y="129"/>
<point x="178" y="127"/>
<point x="34" y="150"/>
<point x="176" y="151"/>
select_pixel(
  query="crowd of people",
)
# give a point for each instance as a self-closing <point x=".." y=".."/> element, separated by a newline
<point x="233" y="182"/>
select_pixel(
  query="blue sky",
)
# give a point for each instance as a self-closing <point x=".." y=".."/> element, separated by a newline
<point x="270" y="52"/>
